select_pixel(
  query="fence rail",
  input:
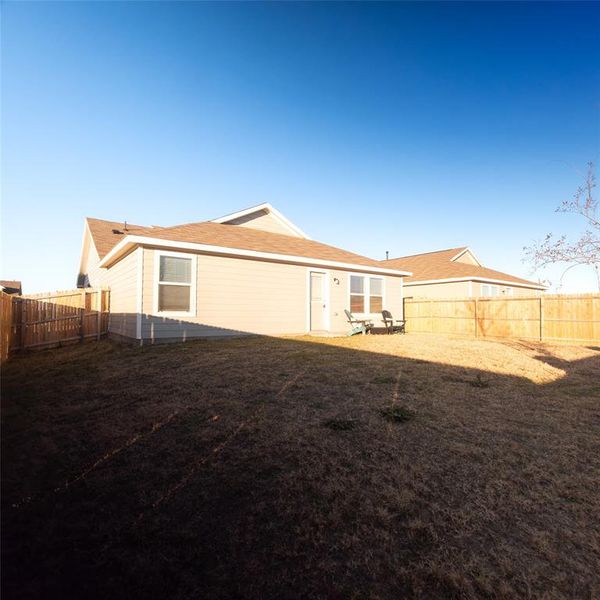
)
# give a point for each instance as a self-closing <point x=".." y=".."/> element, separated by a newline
<point x="45" y="320"/>
<point x="569" y="318"/>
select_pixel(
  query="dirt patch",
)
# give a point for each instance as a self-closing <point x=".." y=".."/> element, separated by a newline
<point x="262" y="468"/>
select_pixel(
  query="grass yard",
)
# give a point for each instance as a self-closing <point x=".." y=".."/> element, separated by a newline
<point x="365" y="467"/>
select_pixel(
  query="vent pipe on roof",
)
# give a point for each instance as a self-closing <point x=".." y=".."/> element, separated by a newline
<point x="387" y="254"/>
<point x="125" y="225"/>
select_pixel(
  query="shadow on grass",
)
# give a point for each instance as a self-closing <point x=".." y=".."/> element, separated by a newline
<point x="205" y="470"/>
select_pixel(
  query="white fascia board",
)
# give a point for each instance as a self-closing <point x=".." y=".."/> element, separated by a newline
<point x="270" y="209"/>
<point x="133" y="240"/>
<point x="467" y="249"/>
<point x="537" y="286"/>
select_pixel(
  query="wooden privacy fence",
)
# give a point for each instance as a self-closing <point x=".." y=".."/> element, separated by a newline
<point x="44" y="320"/>
<point x="569" y="318"/>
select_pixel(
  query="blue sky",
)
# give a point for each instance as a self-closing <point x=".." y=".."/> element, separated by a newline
<point x="374" y="127"/>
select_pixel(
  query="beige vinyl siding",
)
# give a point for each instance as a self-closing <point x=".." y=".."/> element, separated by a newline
<point x="91" y="274"/>
<point x="451" y="289"/>
<point x="264" y="221"/>
<point x="122" y="279"/>
<point x="393" y="298"/>
<point x="467" y="258"/>
<point x="520" y="291"/>
<point x="237" y="296"/>
<point x="460" y="289"/>
<point x="233" y="296"/>
<point x="516" y="291"/>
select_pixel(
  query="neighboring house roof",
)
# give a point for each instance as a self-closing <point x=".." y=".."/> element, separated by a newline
<point x="442" y="265"/>
<point x="11" y="287"/>
<point x="112" y="241"/>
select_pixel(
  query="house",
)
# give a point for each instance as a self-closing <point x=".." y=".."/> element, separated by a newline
<point x="11" y="287"/>
<point x="249" y="272"/>
<point x="457" y="272"/>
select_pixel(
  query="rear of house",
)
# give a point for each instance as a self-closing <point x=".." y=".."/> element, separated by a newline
<point x="253" y="272"/>
<point x="457" y="272"/>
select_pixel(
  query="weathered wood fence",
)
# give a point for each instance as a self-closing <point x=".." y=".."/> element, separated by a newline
<point x="568" y="318"/>
<point x="45" y="320"/>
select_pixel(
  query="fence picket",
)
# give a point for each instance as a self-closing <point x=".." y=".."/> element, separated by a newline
<point x="44" y="320"/>
<point x="571" y="318"/>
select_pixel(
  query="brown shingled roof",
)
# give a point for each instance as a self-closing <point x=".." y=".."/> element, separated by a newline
<point x="439" y="265"/>
<point x="107" y="234"/>
<point x="226" y="236"/>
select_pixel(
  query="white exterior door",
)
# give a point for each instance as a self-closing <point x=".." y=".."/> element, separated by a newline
<point x="318" y="305"/>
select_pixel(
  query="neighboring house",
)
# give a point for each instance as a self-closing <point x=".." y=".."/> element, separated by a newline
<point x="457" y="272"/>
<point x="249" y="272"/>
<point x="11" y="287"/>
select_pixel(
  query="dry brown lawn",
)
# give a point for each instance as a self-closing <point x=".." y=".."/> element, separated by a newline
<point x="264" y="468"/>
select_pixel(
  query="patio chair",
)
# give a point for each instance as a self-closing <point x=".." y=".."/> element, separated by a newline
<point x="393" y="325"/>
<point x="363" y="326"/>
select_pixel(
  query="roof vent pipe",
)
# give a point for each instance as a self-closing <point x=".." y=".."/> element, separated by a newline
<point x="387" y="254"/>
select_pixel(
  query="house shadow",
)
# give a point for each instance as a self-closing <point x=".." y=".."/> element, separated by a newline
<point x="264" y="467"/>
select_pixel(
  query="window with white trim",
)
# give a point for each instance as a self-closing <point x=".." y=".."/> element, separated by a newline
<point x="366" y="294"/>
<point x="175" y="284"/>
<point x="357" y="294"/>
<point x="489" y="290"/>
<point x="375" y="294"/>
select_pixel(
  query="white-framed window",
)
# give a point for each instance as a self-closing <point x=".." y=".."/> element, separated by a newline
<point x="357" y="294"/>
<point x="366" y="294"/>
<point x="174" y="283"/>
<point x="489" y="290"/>
<point x="375" y="294"/>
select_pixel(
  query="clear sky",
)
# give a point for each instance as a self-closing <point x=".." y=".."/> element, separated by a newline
<point x="401" y="127"/>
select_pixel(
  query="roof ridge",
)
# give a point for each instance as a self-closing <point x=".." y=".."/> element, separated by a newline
<point x="424" y="253"/>
<point x="119" y="222"/>
<point x="175" y="231"/>
<point x="262" y="231"/>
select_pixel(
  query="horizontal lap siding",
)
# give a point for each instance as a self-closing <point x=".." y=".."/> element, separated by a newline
<point x="122" y="280"/>
<point x="338" y="300"/>
<point x="438" y="290"/>
<point x="248" y="296"/>
<point x="233" y="296"/>
<point x="96" y="276"/>
<point x="516" y="291"/>
<point x="519" y="291"/>
<point x="459" y="289"/>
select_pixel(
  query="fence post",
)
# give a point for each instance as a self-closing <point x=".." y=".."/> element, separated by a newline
<point x="541" y="319"/>
<point x="476" y="322"/>
<point x="404" y="309"/>
<point x="23" y="317"/>
<point x="82" y="315"/>
<point x="99" y="309"/>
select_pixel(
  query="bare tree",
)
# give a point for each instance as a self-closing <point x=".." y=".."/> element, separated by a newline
<point x="585" y="250"/>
